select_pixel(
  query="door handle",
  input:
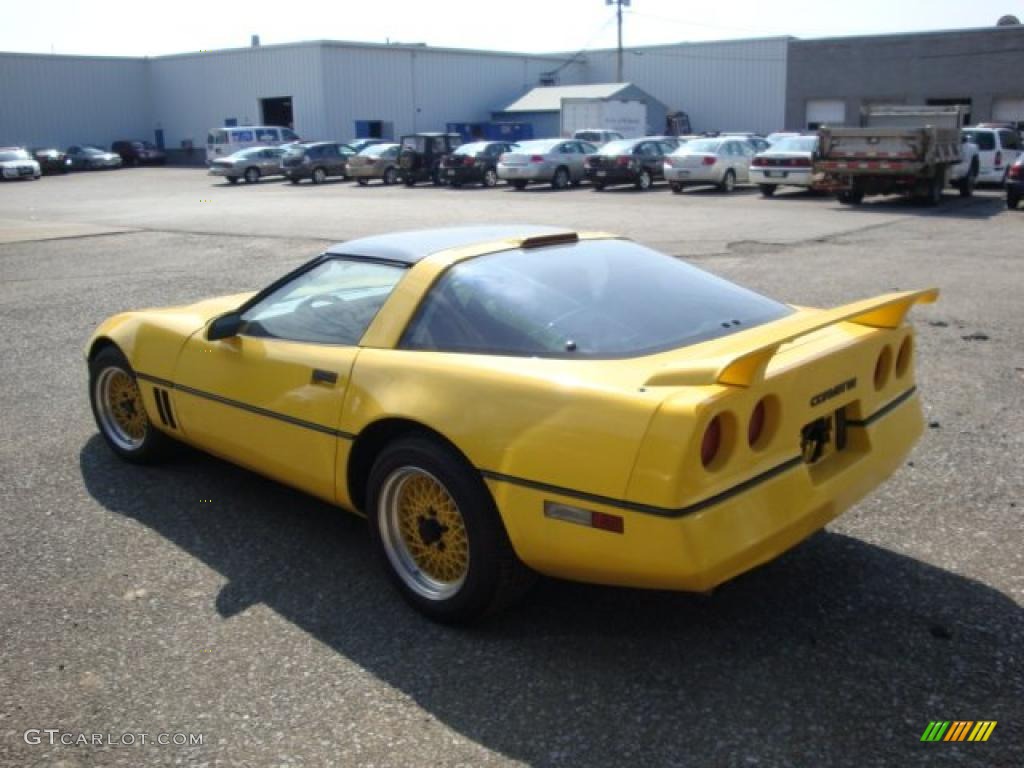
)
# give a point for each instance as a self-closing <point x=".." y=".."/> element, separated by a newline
<point x="321" y="376"/>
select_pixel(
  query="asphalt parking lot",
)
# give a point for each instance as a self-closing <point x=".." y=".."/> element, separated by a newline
<point x="198" y="598"/>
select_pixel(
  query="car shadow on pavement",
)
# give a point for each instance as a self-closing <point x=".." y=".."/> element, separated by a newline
<point x="838" y="652"/>
<point x="952" y="206"/>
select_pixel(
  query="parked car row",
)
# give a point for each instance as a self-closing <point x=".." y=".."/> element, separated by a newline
<point x="22" y="163"/>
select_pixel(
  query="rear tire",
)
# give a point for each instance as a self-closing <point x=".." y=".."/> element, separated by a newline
<point x="490" y="178"/>
<point x="643" y="181"/>
<point x="561" y="178"/>
<point x="519" y="184"/>
<point x="252" y="175"/>
<point x="967" y="183"/>
<point x="362" y="182"/>
<point x="728" y="183"/>
<point x="767" y="190"/>
<point x="438" y="533"/>
<point x="599" y="186"/>
<point x="232" y="179"/>
<point x="118" y="409"/>
<point x="390" y="176"/>
<point x="319" y="175"/>
<point x="1012" y="201"/>
<point x="676" y="187"/>
<point x="850" y="197"/>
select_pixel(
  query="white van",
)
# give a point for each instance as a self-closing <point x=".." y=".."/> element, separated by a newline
<point x="221" y="142"/>
<point x="998" y="148"/>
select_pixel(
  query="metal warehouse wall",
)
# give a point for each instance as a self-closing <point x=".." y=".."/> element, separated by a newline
<point x="729" y="86"/>
<point x="980" y="64"/>
<point x="63" y="100"/>
<point x="195" y="92"/>
<point x="423" y="89"/>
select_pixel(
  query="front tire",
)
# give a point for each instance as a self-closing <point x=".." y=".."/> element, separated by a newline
<point x="644" y="181"/>
<point x="490" y="178"/>
<point x="119" y="411"/>
<point x="319" y="175"/>
<point x="439" y="534"/>
<point x="252" y="175"/>
<point x="390" y="177"/>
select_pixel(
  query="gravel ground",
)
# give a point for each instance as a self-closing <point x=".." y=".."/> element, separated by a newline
<point x="259" y="619"/>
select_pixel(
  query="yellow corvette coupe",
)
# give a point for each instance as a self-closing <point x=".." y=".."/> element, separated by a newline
<point x="500" y="401"/>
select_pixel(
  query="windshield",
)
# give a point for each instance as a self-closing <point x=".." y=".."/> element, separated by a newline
<point x="92" y="151"/>
<point x="376" y="150"/>
<point x="620" y="147"/>
<point x="471" y="149"/>
<point x="710" y="146"/>
<point x="796" y="144"/>
<point x="538" y="146"/>
<point x="595" y="298"/>
<point x="985" y="140"/>
<point x="16" y="154"/>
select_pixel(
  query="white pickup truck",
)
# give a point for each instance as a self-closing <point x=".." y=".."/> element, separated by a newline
<point x="908" y="150"/>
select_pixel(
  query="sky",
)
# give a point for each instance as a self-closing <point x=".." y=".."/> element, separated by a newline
<point x="125" y="27"/>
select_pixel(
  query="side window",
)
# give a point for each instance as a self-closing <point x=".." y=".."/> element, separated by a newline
<point x="332" y="303"/>
<point x="1009" y="140"/>
<point x="287" y="135"/>
<point x="241" y="136"/>
<point x="566" y="149"/>
<point x="266" y="134"/>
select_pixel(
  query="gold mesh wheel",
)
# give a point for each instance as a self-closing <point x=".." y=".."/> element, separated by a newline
<point x="424" y="533"/>
<point x="119" y="407"/>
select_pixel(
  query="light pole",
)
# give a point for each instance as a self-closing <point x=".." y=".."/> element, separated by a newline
<point x="618" y="15"/>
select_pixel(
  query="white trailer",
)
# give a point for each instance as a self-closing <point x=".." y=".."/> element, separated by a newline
<point x="627" y="117"/>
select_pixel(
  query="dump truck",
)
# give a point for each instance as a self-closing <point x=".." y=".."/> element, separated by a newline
<point x="914" y="150"/>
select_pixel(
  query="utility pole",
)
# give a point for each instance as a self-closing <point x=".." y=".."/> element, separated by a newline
<point x="618" y="15"/>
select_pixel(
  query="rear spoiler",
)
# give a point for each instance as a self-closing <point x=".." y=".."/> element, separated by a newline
<point x="746" y="367"/>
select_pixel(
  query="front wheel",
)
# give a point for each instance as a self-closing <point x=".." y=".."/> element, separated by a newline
<point x="119" y="411"/>
<point x="643" y="181"/>
<point x="490" y="178"/>
<point x="390" y="176"/>
<point x="439" y="534"/>
<point x="319" y="175"/>
<point x="252" y="175"/>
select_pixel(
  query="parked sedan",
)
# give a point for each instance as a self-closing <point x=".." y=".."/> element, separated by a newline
<point x="376" y="161"/>
<point x="316" y="160"/>
<point x="723" y="162"/>
<point x="92" y="158"/>
<point x="558" y="162"/>
<point x="789" y="162"/>
<point x="17" y="163"/>
<point x="639" y="162"/>
<point x="475" y="163"/>
<point x="250" y="164"/>
<point x="50" y="160"/>
<point x="1015" y="184"/>
<point x="135" y="152"/>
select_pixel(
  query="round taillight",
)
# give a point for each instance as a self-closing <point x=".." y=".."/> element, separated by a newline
<point x="712" y="441"/>
<point x="903" y="356"/>
<point x="756" y="426"/>
<point x="883" y="367"/>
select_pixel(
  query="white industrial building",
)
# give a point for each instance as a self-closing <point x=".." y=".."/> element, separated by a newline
<point x="329" y="89"/>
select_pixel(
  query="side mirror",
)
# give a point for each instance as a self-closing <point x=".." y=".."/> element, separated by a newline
<point x="224" y="327"/>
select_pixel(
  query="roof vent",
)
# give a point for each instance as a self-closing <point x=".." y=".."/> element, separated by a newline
<point x="539" y="241"/>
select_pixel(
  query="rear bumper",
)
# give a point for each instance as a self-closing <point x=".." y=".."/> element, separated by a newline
<point x="538" y="172"/>
<point x="780" y="176"/>
<point x="612" y="175"/>
<point x="697" y="175"/>
<point x="463" y="175"/>
<point x="704" y="545"/>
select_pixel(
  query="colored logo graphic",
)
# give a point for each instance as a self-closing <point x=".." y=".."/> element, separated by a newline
<point x="958" y="730"/>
